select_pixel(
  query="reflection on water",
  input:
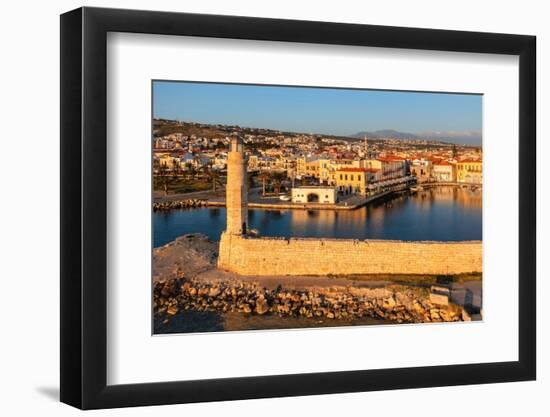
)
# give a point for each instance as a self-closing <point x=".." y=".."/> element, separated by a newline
<point x="443" y="213"/>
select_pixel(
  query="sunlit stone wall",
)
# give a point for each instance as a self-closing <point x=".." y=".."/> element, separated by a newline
<point x="303" y="256"/>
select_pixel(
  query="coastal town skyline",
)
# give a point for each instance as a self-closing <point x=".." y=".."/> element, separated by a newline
<point x="450" y="117"/>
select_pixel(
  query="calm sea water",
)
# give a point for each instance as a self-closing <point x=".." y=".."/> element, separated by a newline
<point x="444" y="214"/>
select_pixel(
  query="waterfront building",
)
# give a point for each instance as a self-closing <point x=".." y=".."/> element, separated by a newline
<point x="288" y="162"/>
<point x="312" y="168"/>
<point x="421" y="169"/>
<point x="353" y="180"/>
<point x="325" y="168"/>
<point x="302" y="163"/>
<point x="392" y="167"/>
<point x="444" y="171"/>
<point x="470" y="171"/>
<point x="314" y="194"/>
<point x="360" y="176"/>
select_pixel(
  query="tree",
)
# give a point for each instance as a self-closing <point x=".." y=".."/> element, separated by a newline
<point x="190" y="169"/>
<point x="264" y="177"/>
<point x="156" y="165"/>
<point x="175" y="167"/>
<point x="163" y="179"/>
<point x="277" y="179"/>
<point x="213" y="175"/>
<point x="197" y="162"/>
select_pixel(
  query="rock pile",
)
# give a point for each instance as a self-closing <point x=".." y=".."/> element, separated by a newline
<point x="401" y="305"/>
<point x="179" y="204"/>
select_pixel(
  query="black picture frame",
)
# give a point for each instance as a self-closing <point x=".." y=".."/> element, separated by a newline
<point x="84" y="207"/>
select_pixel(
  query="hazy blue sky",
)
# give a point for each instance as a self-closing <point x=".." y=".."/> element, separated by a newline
<point x="318" y="110"/>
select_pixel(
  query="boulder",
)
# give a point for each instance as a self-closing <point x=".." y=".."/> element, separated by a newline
<point x="434" y="314"/>
<point x="245" y="308"/>
<point x="262" y="306"/>
<point x="172" y="310"/>
<point x="214" y="292"/>
<point x="389" y="302"/>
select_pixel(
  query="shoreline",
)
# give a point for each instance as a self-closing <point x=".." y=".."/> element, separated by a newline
<point x="217" y="199"/>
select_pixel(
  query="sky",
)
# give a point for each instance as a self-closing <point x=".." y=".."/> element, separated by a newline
<point x="316" y="110"/>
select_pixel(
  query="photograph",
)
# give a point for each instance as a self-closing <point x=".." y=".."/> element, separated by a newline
<point x="283" y="207"/>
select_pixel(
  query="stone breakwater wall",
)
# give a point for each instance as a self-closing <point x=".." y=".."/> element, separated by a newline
<point x="179" y="204"/>
<point x="303" y="256"/>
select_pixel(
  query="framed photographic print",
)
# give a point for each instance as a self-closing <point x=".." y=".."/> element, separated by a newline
<point x="257" y="208"/>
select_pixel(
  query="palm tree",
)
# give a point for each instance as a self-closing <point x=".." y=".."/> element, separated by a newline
<point x="163" y="179"/>
<point x="264" y="176"/>
<point x="277" y="179"/>
<point x="190" y="170"/>
<point x="156" y="165"/>
<point x="213" y="175"/>
<point x="175" y="167"/>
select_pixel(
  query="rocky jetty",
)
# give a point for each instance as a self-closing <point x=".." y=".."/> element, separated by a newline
<point x="397" y="303"/>
<point x="179" y="204"/>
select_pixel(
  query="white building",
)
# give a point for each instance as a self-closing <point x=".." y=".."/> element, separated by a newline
<point x="444" y="171"/>
<point x="314" y="194"/>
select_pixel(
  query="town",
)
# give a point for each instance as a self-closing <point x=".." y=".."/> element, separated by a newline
<point x="307" y="170"/>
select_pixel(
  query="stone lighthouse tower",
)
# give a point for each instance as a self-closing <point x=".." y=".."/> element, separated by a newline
<point x="236" y="192"/>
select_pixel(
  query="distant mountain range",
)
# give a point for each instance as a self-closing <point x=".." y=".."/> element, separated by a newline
<point x="467" y="137"/>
